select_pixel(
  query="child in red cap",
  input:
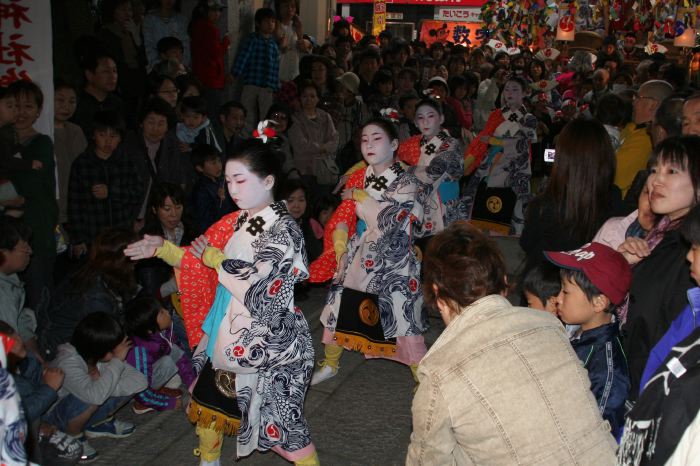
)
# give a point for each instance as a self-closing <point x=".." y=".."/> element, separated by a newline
<point x="595" y="279"/>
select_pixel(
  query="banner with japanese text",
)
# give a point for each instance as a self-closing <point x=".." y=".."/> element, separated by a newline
<point x="462" y="32"/>
<point x="26" y="52"/>
<point x="379" y="17"/>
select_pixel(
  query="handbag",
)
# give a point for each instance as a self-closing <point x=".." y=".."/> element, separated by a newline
<point x="326" y="171"/>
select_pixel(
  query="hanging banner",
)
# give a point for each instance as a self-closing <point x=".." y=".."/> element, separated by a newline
<point x="457" y="14"/>
<point x="379" y="17"/>
<point x="461" y="32"/>
<point x="25" y="50"/>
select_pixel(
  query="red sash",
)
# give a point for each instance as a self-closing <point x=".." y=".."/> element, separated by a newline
<point x="323" y="268"/>
<point x="198" y="282"/>
<point x="409" y="150"/>
<point x="478" y="148"/>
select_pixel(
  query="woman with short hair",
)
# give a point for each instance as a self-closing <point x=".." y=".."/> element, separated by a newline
<point x="502" y="384"/>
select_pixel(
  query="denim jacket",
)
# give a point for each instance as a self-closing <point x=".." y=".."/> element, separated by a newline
<point x="502" y="386"/>
<point x="600" y="351"/>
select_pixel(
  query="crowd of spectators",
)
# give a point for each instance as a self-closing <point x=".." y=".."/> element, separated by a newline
<point x="139" y="146"/>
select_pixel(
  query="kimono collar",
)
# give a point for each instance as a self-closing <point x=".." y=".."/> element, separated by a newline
<point x="437" y="139"/>
<point x="513" y="115"/>
<point x="375" y="185"/>
<point x="262" y="221"/>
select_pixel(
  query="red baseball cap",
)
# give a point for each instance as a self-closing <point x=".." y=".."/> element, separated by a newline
<point x="606" y="268"/>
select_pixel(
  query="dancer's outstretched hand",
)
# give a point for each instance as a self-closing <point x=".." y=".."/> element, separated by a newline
<point x="145" y="248"/>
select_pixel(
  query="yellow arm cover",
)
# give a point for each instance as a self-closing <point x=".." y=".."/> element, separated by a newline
<point x="170" y="254"/>
<point x="213" y="257"/>
<point x="359" y="195"/>
<point x="340" y="243"/>
<point x="354" y="168"/>
<point x="469" y="164"/>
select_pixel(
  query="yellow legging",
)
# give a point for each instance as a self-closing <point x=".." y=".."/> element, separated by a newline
<point x="332" y="359"/>
<point x="414" y="371"/>
<point x="210" y="442"/>
<point x="311" y="460"/>
<point x="333" y="353"/>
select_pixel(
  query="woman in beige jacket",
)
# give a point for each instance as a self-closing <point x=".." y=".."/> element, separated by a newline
<point x="501" y="385"/>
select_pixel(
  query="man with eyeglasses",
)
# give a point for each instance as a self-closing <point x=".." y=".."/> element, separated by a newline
<point x="636" y="146"/>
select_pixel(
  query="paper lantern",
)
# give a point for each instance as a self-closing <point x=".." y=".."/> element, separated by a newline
<point x="566" y="29"/>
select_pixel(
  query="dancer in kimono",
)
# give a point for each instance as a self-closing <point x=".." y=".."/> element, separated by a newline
<point x="375" y="299"/>
<point x="255" y="356"/>
<point x="436" y="158"/>
<point x="500" y="154"/>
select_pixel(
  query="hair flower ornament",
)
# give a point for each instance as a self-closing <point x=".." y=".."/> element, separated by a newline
<point x="340" y="18"/>
<point x="265" y="131"/>
<point x="390" y="114"/>
<point x="430" y="92"/>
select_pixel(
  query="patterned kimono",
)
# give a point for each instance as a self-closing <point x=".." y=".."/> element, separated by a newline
<point x="254" y="330"/>
<point x="506" y="162"/>
<point x="438" y="162"/>
<point x="13" y="426"/>
<point x="374" y="304"/>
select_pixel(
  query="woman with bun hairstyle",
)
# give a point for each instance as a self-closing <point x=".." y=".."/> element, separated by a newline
<point x="255" y="355"/>
<point x="375" y="301"/>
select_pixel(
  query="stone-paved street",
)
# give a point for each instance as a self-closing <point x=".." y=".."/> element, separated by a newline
<point x="360" y="417"/>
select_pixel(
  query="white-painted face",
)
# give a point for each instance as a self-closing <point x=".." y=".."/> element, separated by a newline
<point x="248" y="190"/>
<point x="428" y="120"/>
<point x="513" y="95"/>
<point x="376" y="145"/>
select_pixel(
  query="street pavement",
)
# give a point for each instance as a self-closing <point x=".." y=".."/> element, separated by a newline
<point x="361" y="417"/>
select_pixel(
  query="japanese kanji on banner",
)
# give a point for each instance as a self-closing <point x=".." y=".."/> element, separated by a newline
<point x="26" y="52"/>
<point x="462" y="33"/>
<point x="379" y="17"/>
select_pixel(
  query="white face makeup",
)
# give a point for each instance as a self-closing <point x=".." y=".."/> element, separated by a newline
<point x="513" y="95"/>
<point x="248" y="190"/>
<point x="377" y="147"/>
<point x="428" y="120"/>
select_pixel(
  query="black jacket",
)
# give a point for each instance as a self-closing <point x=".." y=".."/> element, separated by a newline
<point x="659" y="293"/>
<point x="87" y="215"/>
<point x="170" y="164"/>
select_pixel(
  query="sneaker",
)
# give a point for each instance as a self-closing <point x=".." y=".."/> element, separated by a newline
<point x="139" y="408"/>
<point x="89" y="452"/>
<point x="113" y="428"/>
<point x="323" y="374"/>
<point x="60" y="448"/>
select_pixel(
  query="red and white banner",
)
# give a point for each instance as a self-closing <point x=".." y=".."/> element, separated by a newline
<point x="379" y="17"/>
<point x="25" y="50"/>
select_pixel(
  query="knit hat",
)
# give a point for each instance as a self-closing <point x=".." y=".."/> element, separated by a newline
<point x="438" y="79"/>
<point x="215" y="5"/>
<point x="350" y="81"/>
<point x="606" y="268"/>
